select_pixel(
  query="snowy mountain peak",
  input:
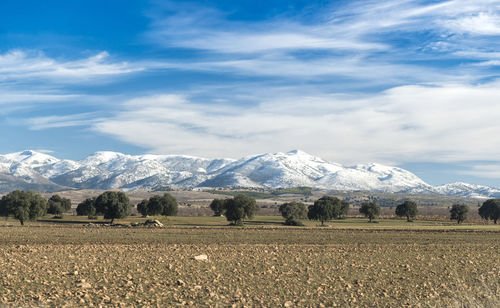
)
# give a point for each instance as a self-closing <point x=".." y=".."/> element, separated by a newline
<point x="31" y="158"/>
<point x="103" y="156"/>
<point x="110" y="170"/>
<point x="468" y="190"/>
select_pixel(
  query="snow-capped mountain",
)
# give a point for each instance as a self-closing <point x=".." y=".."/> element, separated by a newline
<point x="460" y="189"/>
<point x="109" y="170"/>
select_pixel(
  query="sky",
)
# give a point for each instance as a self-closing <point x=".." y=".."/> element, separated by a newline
<point x="413" y="84"/>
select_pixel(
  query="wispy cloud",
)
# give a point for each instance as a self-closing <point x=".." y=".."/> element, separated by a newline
<point x="81" y="119"/>
<point x="19" y="65"/>
<point x="30" y="78"/>
<point x="373" y="41"/>
<point x="490" y="170"/>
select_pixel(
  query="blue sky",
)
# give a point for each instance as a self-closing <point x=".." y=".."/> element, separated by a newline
<point x="407" y="83"/>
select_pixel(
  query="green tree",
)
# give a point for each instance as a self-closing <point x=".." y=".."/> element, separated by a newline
<point x="87" y="208"/>
<point x="23" y="205"/>
<point x="218" y="206"/>
<point x="292" y="212"/>
<point x="58" y="205"/>
<point x="490" y="210"/>
<point x="407" y="209"/>
<point x="170" y="206"/>
<point x="459" y="212"/>
<point x="370" y="210"/>
<point x="344" y="208"/>
<point x="327" y="208"/>
<point x="165" y="205"/>
<point x="239" y="208"/>
<point x="113" y="205"/>
<point x="4" y="210"/>
<point x="142" y="207"/>
<point x="155" y="205"/>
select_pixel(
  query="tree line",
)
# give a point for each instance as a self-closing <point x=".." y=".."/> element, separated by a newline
<point x="28" y="205"/>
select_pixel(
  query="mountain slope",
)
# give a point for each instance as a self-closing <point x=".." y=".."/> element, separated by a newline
<point x="110" y="170"/>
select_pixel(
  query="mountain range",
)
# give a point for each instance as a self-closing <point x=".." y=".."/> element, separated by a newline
<point x="111" y="170"/>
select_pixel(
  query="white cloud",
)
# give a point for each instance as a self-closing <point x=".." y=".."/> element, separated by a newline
<point x="18" y="65"/>
<point x="410" y="123"/>
<point x="81" y="119"/>
<point x="491" y="171"/>
<point x="29" y="79"/>
<point x="352" y="67"/>
<point x="241" y="42"/>
<point x="489" y="63"/>
<point x="359" y="40"/>
<point x="482" y="23"/>
<point x="8" y="96"/>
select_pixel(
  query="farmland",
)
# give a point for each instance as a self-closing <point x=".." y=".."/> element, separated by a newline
<point x="347" y="263"/>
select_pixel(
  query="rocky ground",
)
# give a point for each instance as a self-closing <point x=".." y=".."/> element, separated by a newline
<point x="84" y="266"/>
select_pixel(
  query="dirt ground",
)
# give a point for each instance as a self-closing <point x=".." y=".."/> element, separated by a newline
<point x="46" y="265"/>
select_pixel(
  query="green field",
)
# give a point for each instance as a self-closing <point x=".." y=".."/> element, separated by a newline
<point x="348" y="263"/>
<point x="275" y="222"/>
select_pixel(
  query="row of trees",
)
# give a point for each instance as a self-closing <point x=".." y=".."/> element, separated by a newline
<point x="324" y="209"/>
<point x="328" y="208"/>
<point x="27" y="205"/>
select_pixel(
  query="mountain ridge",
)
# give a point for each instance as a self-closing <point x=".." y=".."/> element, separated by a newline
<point x="114" y="170"/>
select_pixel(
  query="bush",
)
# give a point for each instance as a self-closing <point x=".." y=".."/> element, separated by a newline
<point x="370" y="210"/>
<point x="23" y="205"/>
<point x="407" y="209"/>
<point x="294" y="223"/>
<point x="292" y="212"/>
<point x="459" y="212"/>
<point x="239" y="208"/>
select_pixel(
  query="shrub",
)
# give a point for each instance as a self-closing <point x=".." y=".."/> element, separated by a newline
<point x="294" y="223"/>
